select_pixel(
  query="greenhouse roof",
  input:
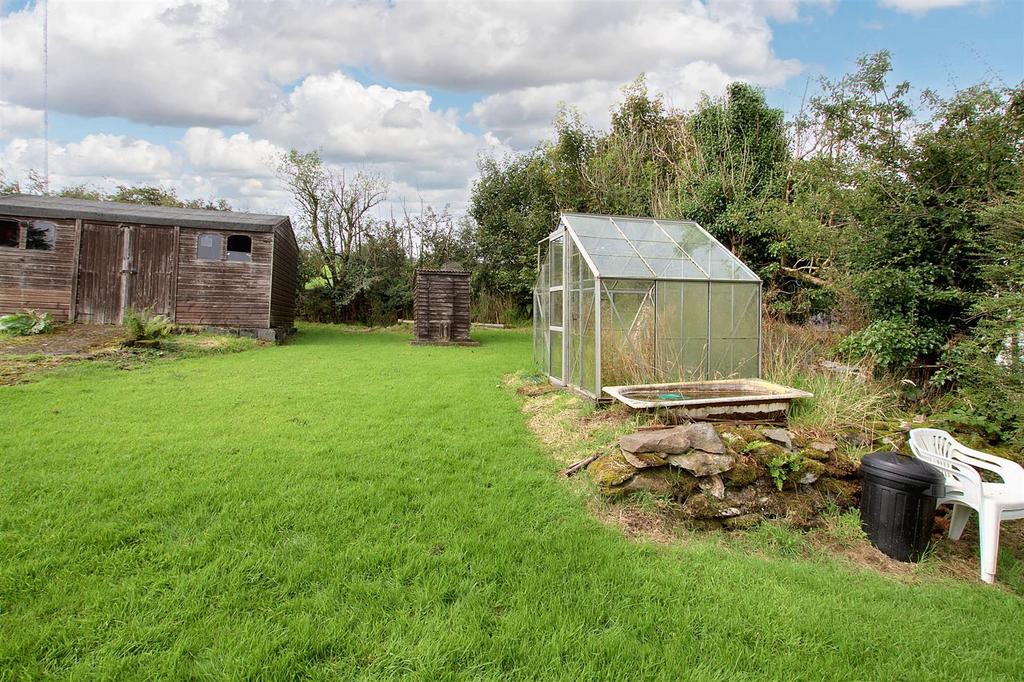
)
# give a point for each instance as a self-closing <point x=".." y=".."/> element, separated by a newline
<point x="645" y="248"/>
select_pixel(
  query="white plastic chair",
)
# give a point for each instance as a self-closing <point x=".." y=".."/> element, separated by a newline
<point x="994" y="502"/>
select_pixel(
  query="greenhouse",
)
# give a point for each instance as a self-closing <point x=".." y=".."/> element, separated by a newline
<point x="638" y="300"/>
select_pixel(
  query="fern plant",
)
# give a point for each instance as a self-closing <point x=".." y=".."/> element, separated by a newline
<point x="143" y="325"/>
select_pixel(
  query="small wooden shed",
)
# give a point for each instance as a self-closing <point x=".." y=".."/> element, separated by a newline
<point x="90" y="261"/>
<point x="441" y="306"/>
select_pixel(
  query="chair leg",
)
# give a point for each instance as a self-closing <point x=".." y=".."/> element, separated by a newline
<point x="958" y="521"/>
<point x="988" y="526"/>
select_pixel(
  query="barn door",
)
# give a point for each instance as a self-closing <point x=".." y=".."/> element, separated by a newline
<point x="151" y="269"/>
<point x="100" y="281"/>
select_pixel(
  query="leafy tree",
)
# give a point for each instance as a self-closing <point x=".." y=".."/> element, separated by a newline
<point x="733" y="169"/>
<point x="334" y="209"/>
<point x="513" y="207"/>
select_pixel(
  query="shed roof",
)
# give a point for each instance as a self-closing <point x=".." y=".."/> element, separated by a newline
<point x="34" y="206"/>
<point x="649" y="248"/>
<point x="441" y="271"/>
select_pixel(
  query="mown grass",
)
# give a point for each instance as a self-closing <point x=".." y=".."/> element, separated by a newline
<point x="348" y="505"/>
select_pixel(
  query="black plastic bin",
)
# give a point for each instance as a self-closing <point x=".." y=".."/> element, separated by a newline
<point x="897" y="504"/>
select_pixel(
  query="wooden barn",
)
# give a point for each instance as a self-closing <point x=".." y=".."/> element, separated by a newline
<point x="90" y="261"/>
<point x="441" y="307"/>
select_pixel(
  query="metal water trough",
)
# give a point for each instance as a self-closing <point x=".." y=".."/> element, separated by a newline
<point x="723" y="399"/>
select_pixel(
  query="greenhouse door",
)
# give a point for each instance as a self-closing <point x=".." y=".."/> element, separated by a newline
<point x="556" y="308"/>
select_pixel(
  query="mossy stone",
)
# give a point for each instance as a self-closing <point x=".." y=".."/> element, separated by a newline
<point x="810" y="471"/>
<point x="704" y="506"/>
<point x="811" y="452"/>
<point x="684" y="483"/>
<point x="611" y="470"/>
<point x="744" y="472"/>
<point x="803" y="511"/>
<point x="800" y="440"/>
<point x="841" y="493"/>
<point x="840" y="466"/>
<point x="765" y="452"/>
<point x="644" y="460"/>
<point x="738" y="437"/>
<point x="660" y="481"/>
<point x="743" y="521"/>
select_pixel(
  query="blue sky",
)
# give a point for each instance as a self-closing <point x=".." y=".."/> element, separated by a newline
<point x="201" y="96"/>
<point x="942" y="49"/>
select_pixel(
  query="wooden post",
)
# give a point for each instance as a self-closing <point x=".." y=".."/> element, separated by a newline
<point x="174" y="275"/>
<point x="126" y="269"/>
<point x="270" y="288"/>
<point x="73" y="303"/>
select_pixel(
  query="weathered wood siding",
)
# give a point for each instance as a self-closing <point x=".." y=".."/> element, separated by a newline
<point x="441" y="306"/>
<point x="285" y="278"/>
<point x="39" y="280"/>
<point x="222" y="292"/>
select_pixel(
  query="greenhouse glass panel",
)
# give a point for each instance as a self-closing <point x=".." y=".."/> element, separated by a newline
<point x="735" y="320"/>
<point x="588" y="363"/>
<point x="627" y="332"/>
<point x="592" y="226"/>
<point x="602" y="246"/>
<point x="574" y="334"/>
<point x="622" y="267"/>
<point x="555" y="308"/>
<point x="555" y="256"/>
<point x="640" y="230"/>
<point x="555" y="351"/>
<point x="682" y="331"/>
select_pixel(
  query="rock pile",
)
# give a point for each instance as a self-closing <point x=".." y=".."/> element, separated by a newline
<point x="731" y="476"/>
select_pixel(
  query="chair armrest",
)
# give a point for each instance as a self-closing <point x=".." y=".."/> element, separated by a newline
<point x="1011" y="472"/>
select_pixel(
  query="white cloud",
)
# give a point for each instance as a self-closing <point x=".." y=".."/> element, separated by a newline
<point x="19" y="120"/>
<point x="215" y="62"/>
<point x="924" y="6"/>
<point x="522" y="117"/>
<point x="94" y="156"/>
<point x="140" y="61"/>
<point x="384" y="128"/>
<point x="211" y="151"/>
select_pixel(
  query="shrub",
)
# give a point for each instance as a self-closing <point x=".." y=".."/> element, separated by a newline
<point x="894" y="343"/>
<point x="26" y="323"/>
<point x="143" y="325"/>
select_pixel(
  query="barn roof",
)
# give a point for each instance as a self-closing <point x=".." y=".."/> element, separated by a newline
<point x="33" y="206"/>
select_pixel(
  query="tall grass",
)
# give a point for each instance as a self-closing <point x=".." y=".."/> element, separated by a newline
<point x="792" y="354"/>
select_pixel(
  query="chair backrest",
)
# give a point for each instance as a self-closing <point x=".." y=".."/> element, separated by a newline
<point x="942" y="451"/>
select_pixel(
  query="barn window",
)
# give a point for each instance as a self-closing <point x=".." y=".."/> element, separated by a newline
<point x="208" y="247"/>
<point x="10" y="233"/>
<point x="240" y="248"/>
<point x="41" y="235"/>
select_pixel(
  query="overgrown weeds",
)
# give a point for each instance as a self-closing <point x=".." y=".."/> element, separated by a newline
<point x="845" y="399"/>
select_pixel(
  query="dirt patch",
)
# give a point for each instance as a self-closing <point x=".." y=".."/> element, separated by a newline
<point x="67" y="339"/>
<point x="23" y="356"/>
<point x="638" y="522"/>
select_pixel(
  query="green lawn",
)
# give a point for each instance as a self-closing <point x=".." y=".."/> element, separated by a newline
<point x="348" y="505"/>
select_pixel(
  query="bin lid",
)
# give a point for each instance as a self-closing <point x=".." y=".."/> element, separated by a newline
<point x="895" y="466"/>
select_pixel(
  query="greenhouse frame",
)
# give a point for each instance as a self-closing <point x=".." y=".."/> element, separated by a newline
<point x="625" y="301"/>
